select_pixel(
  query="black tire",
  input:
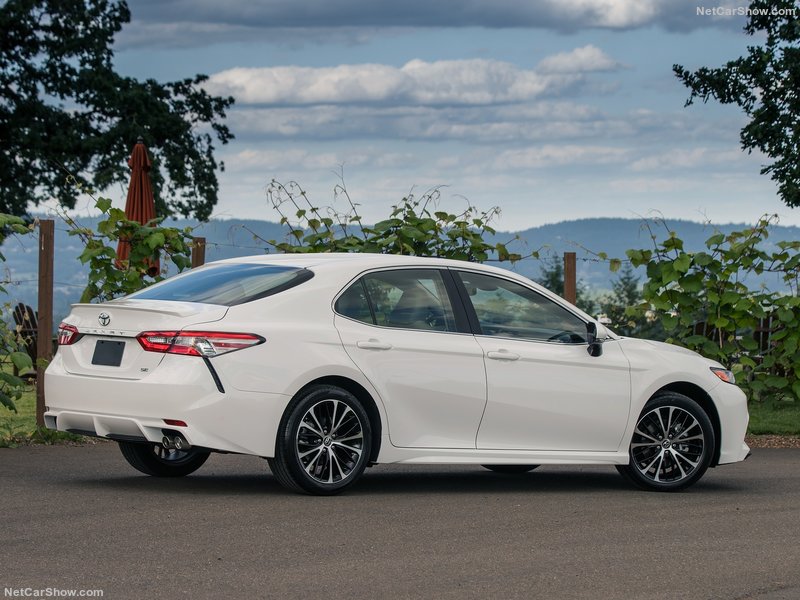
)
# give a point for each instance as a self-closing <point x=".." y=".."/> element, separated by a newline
<point x="313" y="461"/>
<point x="672" y="444"/>
<point x="155" y="460"/>
<point x="511" y="469"/>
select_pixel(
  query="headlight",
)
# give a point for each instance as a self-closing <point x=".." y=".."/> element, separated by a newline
<point x="724" y="374"/>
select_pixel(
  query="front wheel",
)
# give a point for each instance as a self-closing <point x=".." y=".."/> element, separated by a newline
<point x="672" y="444"/>
<point x="155" y="460"/>
<point x="324" y="442"/>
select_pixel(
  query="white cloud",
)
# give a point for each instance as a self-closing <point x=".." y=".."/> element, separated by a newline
<point x="690" y="159"/>
<point x="580" y="60"/>
<point x="453" y="82"/>
<point x="561" y="155"/>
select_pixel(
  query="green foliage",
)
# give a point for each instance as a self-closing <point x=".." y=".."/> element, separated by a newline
<point x="64" y="109"/>
<point x="13" y="357"/>
<point x="414" y="227"/>
<point x="149" y="244"/>
<point x="763" y="84"/>
<point x="705" y="304"/>
<point x="621" y="306"/>
<point x="20" y="429"/>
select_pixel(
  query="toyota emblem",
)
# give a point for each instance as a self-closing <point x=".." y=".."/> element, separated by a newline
<point x="104" y="319"/>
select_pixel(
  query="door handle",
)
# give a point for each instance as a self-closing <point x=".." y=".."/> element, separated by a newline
<point x="373" y="344"/>
<point x="502" y="355"/>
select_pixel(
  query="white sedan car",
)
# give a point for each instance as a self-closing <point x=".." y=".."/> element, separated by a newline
<point x="325" y="364"/>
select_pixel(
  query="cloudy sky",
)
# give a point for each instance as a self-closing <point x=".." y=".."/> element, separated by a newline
<point x="551" y="109"/>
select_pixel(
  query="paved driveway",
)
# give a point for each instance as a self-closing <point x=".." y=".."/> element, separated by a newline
<point x="81" y="518"/>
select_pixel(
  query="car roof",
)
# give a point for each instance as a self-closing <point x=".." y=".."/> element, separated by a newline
<point x="357" y="259"/>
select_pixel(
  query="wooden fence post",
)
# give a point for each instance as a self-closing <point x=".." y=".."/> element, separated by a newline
<point x="44" y="335"/>
<point x="570" y="278"/>
<point x="198" y="252"/>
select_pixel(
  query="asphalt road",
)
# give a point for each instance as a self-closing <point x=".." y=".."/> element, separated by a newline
<point x="81" y="518"/>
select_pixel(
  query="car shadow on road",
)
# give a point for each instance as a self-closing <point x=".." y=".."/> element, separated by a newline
<point x="541" y="481"/>
<point x="390" y="481"/>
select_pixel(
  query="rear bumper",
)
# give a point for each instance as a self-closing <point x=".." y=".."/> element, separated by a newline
<point x="182" y="389"/>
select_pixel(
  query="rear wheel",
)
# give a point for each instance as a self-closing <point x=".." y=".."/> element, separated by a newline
<point x="510" y="468"/>
<point x="324" y="442"/>
<point x="155" y="460"/>
<point x="672" y="444"/>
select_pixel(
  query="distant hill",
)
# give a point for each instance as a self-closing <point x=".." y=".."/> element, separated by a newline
<point x="239" y="237"/>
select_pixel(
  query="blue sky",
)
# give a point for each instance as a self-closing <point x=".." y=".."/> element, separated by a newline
<point x="552" y="110"/>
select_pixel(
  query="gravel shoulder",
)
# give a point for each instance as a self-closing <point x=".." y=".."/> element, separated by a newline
<point x="772" y="441"/>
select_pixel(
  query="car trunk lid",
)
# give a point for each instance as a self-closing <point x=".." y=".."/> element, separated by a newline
<point x="107" y="346"/>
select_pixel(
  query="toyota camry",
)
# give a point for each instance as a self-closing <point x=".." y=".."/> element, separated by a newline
<point x="326" y="364"/>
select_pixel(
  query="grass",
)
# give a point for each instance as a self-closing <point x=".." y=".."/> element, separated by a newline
<point x="776" y="417"/>
<point x="19" y="428"/>
<point x="16" y="429"/>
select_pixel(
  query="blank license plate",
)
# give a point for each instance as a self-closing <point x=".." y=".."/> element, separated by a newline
<point x="108" y="353"/>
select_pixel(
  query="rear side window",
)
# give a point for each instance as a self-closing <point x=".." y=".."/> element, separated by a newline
<point x="227" y="284"/>
<point x="404" y="298"/>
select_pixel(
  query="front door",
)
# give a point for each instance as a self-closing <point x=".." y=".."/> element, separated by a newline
<point x="545" y="392"/>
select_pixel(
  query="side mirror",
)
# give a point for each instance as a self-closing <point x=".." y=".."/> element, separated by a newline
<point x="595" y="347"/>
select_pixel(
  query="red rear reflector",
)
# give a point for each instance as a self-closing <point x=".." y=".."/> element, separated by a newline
<point x="67" y="334"/>
<point x="175" y="423"/>
<point x="196" y="343"/>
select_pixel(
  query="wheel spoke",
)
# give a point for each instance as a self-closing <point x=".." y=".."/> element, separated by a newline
<point x="315" y="449"/>
<point x="334" y="461"/>
<point x="660" y="464"/>
<point x="645" y="445"/>
<point x="684" y="457"/>
<point x="312" y="429"/>
<point x="661" y="422"/>
<point x="336" y="426"/>
<point x="646" y="435"/>
<point x="314" y="416"/>
<point x="349" y="448"/>
<point x="313" y="461"/>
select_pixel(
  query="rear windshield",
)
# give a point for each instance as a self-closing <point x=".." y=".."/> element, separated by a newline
<point x="227" y="284"/>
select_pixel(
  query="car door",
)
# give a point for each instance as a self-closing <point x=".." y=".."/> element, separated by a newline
<point x="399" y="327"/>
<point x="544" y="390"/>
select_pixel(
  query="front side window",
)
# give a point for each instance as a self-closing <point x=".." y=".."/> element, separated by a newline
<point x="402" y="298"/>
<point x="507" y="309"/>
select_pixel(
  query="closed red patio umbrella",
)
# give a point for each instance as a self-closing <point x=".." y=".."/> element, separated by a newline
<point x="140" y="205"/>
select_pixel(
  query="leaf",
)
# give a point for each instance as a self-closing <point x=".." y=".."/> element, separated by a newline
<point x="7" y="401"/>
<point x="669" y="322"/>
<point x="103" y="205"/>
<point x="614" y="265"/>
<point x="155" y="240"/>
<point x="21" y="360"/>
<point x="682" y="263"/>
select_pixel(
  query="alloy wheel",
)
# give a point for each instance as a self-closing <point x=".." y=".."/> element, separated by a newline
<point x="329" y="441"/>
<point x="668" y="444"/>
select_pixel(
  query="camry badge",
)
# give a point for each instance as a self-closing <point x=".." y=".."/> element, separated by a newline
<point x="104" y="319"/>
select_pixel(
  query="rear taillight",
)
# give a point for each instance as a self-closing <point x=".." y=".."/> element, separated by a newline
<point x="196" y="343"/>
<point x="67" y="334"/>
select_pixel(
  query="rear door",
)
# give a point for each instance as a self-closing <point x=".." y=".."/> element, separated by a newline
<point x="399" y="327"/>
